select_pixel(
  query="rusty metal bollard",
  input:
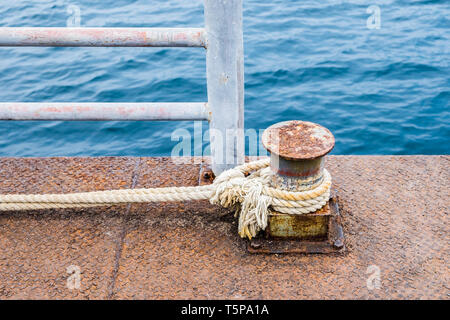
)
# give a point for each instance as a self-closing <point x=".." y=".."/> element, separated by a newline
<point x="297" y="150"/>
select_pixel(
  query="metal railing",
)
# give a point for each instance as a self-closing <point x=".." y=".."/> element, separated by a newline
<point x="223" y="40"/>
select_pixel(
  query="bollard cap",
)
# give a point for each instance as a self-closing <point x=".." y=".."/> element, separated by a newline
<point x="298" y="140"/>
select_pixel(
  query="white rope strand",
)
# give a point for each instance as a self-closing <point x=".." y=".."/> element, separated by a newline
<point x="252" y="197"/>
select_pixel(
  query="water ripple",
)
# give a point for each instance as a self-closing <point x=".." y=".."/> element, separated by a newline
<point x="384" y="91"/>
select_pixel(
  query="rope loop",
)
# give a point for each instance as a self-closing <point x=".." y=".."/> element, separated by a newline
<point x="254" y="199"/>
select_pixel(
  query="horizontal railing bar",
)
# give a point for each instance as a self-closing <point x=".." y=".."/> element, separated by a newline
<point x="68" y="111"/>
<point x="102" y="37"/>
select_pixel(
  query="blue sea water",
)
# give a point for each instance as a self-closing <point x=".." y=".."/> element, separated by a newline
<point x="380" y="91"/>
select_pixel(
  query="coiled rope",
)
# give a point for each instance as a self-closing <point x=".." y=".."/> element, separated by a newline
<point x="246" y="188"/>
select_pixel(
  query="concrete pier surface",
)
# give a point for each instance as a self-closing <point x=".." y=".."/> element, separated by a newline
<point x="394" y="211"/>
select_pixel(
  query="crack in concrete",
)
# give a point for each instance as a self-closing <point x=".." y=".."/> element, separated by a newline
<point x="123" y="233"/>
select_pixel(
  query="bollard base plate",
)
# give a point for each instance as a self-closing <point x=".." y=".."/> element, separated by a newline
<point x="332" y="243"/>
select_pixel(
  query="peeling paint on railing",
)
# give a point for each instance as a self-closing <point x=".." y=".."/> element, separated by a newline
<point x="104" y="111"/>
<point x="102" y="37"/>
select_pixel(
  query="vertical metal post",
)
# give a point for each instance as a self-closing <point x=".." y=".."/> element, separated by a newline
<point x="225" y="82"/>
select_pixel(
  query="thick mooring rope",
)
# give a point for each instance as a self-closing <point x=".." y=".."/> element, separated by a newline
<point x="251" y="196"/>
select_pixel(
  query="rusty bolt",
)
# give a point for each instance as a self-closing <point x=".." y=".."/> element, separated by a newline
<point x="338" y="243"/>
<point x="207" y="175"/>
<point x="255" y="244"/>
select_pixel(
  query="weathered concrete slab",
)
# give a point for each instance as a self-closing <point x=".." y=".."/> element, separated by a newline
<point x="394" y="208"/>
